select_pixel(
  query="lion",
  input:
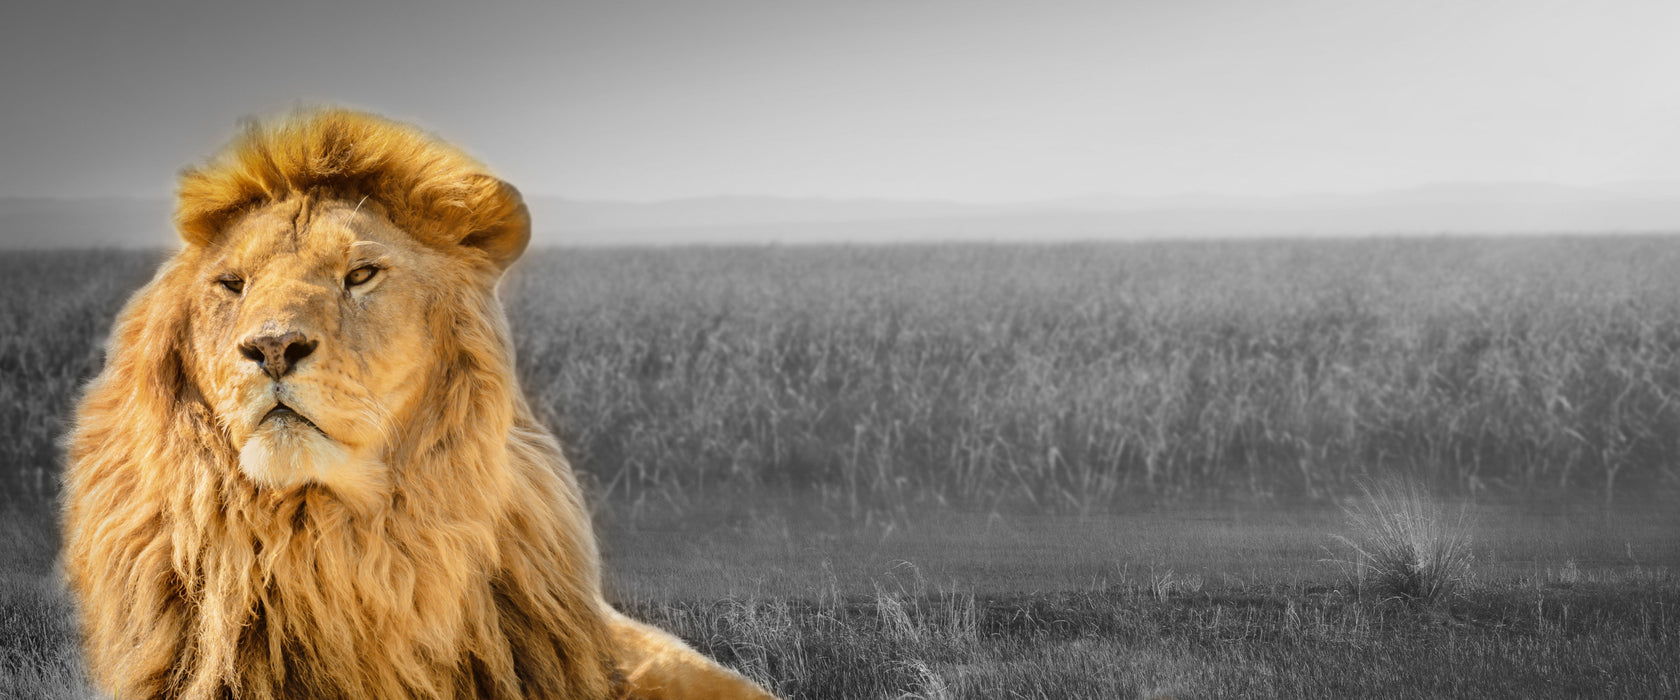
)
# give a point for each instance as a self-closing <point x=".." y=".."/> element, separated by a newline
<point x="307" y="469"/>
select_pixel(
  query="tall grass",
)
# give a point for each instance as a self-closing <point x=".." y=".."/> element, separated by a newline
<point x="55" y="310"/>
<point x="1071" y="377"/>
<point x="1077" y="377"/>
<point x="38" y="655"/>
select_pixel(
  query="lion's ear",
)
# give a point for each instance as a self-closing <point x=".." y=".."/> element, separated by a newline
<point x="502" y="225"/>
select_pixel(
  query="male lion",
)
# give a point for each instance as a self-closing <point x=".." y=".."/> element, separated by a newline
<point x="307" y="469"/>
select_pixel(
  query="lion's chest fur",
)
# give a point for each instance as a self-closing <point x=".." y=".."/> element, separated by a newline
<point x="216" y="588"/>
<point x="301" y="590"/>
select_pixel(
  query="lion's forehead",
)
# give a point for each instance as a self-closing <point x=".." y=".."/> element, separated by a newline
<point x="301" y="240"/>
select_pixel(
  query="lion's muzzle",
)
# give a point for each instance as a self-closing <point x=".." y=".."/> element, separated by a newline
<point x="277" y="353"/>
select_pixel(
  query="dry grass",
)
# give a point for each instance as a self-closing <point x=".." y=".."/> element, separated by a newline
<point x="876" y="385"/>
<point x="1266" y="641"/>
<point x="38" y="657"/>
<point x="1070" y="378"/>
<point x="55" y="309"/>
<point x="1408" y="546"/>
<point x="1080" y="378"/>
<point x="1543" y="638"/>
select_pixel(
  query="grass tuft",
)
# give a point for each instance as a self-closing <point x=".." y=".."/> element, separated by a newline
<point x="1408" y="546"/>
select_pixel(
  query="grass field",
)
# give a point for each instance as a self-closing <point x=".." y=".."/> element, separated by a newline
<point x="1055" y="471"/>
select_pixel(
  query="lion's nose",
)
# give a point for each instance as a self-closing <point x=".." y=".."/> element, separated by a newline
<point x="277" y="354"/>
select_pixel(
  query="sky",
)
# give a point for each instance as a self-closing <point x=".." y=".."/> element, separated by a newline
<point x="967" y="101"/>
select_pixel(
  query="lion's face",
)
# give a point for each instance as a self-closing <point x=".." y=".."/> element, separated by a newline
<point x="309" y="334"/>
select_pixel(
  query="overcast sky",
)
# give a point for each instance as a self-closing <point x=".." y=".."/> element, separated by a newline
<point x="965" y="100"/>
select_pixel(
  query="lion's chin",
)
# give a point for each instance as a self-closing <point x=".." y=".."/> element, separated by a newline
<point x="288" y="453"/>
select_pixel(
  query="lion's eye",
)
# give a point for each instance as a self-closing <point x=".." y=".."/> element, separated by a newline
<point x="232" y="283"/>
<point x="360" y="276"/>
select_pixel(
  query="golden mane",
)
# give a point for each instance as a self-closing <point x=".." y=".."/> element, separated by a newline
<point x="430" y="189"/>
<point x="467" y="568"/>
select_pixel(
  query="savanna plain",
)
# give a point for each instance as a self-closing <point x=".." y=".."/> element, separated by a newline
<point x="1394" y="468"/>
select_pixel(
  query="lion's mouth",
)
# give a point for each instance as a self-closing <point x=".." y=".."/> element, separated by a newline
<point x="282" y="412"/>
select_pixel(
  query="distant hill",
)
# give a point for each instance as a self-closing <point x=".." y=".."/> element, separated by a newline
<point x="39" y="222"/>
<point x="1494" y="209"/>
<point x="719" y="212"/>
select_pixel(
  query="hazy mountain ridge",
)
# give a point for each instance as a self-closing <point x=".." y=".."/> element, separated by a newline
<point x="1501" y="208"/>
<point x="121" y="222"/>
<point x="1481" y="209"/>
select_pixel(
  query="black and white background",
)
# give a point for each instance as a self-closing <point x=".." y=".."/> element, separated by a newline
<point x="987" y="349"/>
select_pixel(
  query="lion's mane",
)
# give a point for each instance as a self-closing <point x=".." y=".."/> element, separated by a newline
<point x="477" y="577"/>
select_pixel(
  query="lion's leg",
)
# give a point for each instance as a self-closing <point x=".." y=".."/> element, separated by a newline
<point x="658" y="666"/>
